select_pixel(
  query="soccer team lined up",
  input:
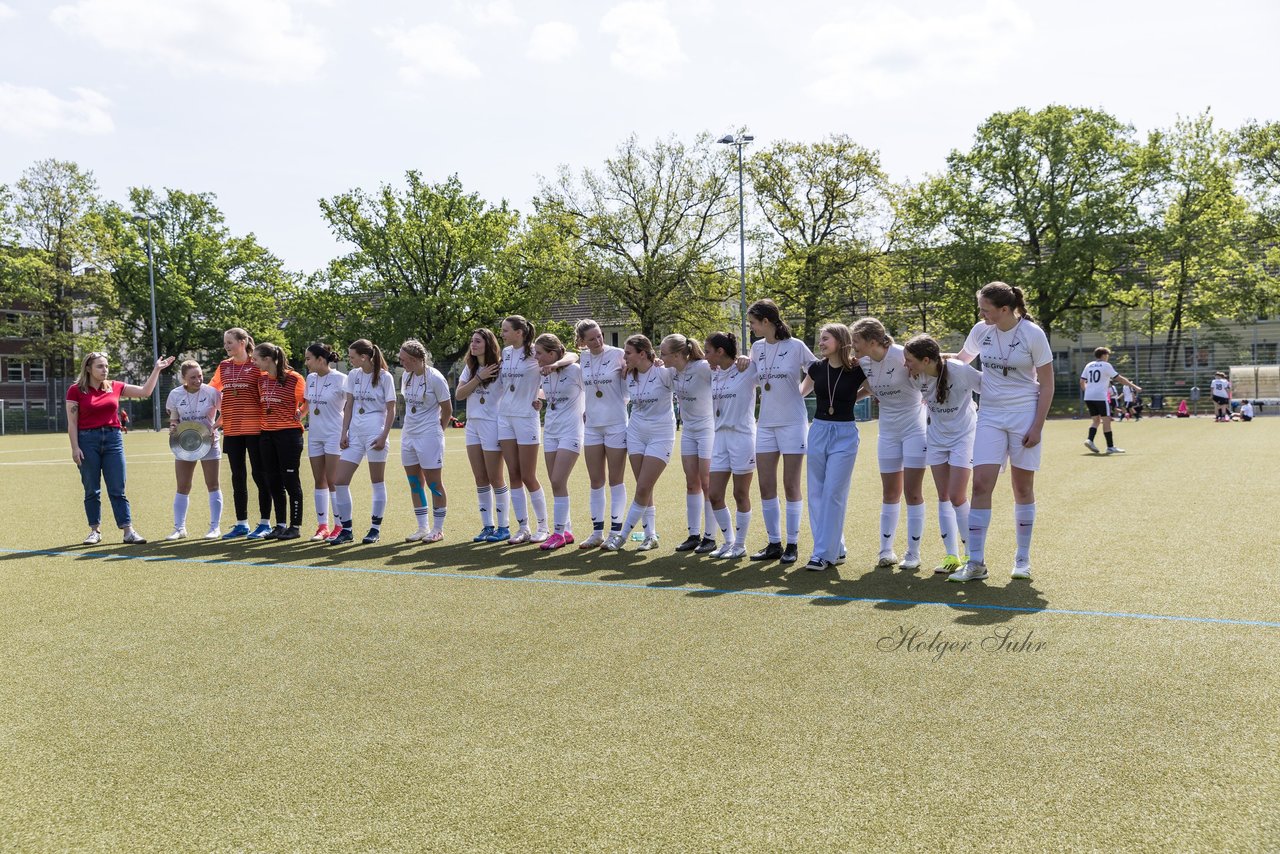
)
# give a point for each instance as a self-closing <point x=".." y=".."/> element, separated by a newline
<point x="530" y="396"/>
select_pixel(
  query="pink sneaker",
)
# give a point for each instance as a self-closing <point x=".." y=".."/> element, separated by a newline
<point x="553" y="542"/>
<point x="433" y="537"/>
<point x="568" y="538"/>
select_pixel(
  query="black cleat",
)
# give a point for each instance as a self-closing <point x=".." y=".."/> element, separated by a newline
<point x="773" y="551"/>
<point x="290" y="533"/>
<point x="371" y="537"/>
<point x="790" y="554"/>
<point x="706" y="547"/>
<point x="275" y="533"/>
<point x="690" y="543"/>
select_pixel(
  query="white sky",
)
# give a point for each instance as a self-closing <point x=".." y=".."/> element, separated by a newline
<point x="272" y="104"/>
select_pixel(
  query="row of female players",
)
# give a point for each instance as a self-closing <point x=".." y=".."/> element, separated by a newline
<point x="928" y="420"/>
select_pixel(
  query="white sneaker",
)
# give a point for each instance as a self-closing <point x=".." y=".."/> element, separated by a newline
<point x="1021" y="569"/>
<point x="93" y="539"/>
<point x="887" y="559"/>
<point x="214" y="533"/>
<point x="1088" y="443"/>
<point x="840" y="560"/>
<point x="540" y="536"/>
<point x="520" y="536"/>
<point x="910" y="561"/>
<point x="969" y="572"/>
<point x="178" y="534"/>
<point x="736" y="552"/>
<point x="134" y="538"/>
<point x="649" y="544"/>
<point x="594" y="540"/>
<point x="614" y="543"/>
<point x="1114" y="450"/>
<point x="416" y="536"/>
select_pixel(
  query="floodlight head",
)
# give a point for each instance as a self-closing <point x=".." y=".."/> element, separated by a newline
<point x="727" y="139"/>
<point x="746" y="137"/>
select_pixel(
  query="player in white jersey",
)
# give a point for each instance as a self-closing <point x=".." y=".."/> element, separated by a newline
<point x="783" y="428"/>
<point x="479" y="387"/>
<point x="1017" y="389"/>
<point x="733" y="453"/>
<point x="948" y="388"/>
<point x="605" y="438"/>
<point x="519" y="428"/>
<point x="428" y="407"/>
<point x="367" y="416"/>
<point x="195" y="401"/>
<point x="901" y="443"/>
<point x="562" y="400"/>
<point x="1095" y="383"/>
<point x="325" y="397"/>
<point x="697" y="435"/>
<point x="1220" y="389"/>
<point x="651" y="436"/>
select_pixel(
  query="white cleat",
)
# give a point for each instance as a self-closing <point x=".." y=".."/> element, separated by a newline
<point x="520" y="536"/>
<point x="595" y="540"/>
<point x="178" y="534"/>
<point x="540" y="536"/>
<point x="736" y="552"/>
<point x="649" y="544"/>
<point x="910" y="561"/>
<point x="614" y="543"/>
<point x="416" y="536"/>
<point x="213" y="533"/>
<point x="722" y="551"/>
<point x="1021" y="569"/>
<point x="969" y="572"/>
<point x="1114" y="450"/>
<point x="1088" y="443"/>
<point x="887" y="559"/>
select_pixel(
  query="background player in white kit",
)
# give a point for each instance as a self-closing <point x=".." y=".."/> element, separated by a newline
<point x="697" y="435"/>
<point x="195" y="401"/>
<point x="562" y="432"/>
<point x="783" y="427"/>
<point x="479" y="387"/>
<point x="428" y="407"/>
<point x="948" y="389"/>
<point x="367" y="416"/>
<point x="651" y="436"/>
<point x="733" y="398"/>
<point x="1095" y="383"/>
<point x="1017" y="390"/>
<point x="901" y="443"/>
<point x="606" y="428"/>
<point x="1220" y="389"/>
<point x="325" y="397"/>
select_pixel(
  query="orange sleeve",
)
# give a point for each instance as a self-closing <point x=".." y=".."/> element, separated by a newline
<point x="299" y="392"/>
<point x="216" y="380"/>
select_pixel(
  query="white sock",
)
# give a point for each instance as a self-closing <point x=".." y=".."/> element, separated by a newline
<point x="501" y="495"/>
<point x="650" y="528"/>
<point x="266" y="522"/>
<point x="560" y="506"/>
<point x="693" y="513"/>
<point x="342" y="504"/>
<point x="888" y="525"/>
<point x="962" y="527"/>
<point x="915" y="527"/>
<point x="180" y="503"/>
<point x="772" y="516"/>
<point x="597" y="508"/>
<point x="709" y="517"/>
<point x="215" y="508"/>
<point x="420" y="513"/>
<point x="617" y="501"/>
<point x="539" y="501"/>
<point x="723" y="521"/>
<point x="379" y="507"/>
<point x="947" y="527"/>
<point x="437" y="519"/>
<point x="322" y="506"/>
<point x="518" y="507"/>
<point x="743" y="524"/>
<point x="634" y="515"/>
<point x="795" y="510"/>
<point x="484" y="497"/>
<point x="1024" y="517"/>
<point x="978" y="522"/>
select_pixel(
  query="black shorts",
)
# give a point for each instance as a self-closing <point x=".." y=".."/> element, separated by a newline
<point x="1221" y="401"/>
<point x="1098" y="407"/>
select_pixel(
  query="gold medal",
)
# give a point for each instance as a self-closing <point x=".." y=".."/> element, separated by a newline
<point x="1006" y="370"/>
<point x="831" y="410"/>
<point x="717" y="413"/>
<point x="512" y="387"/>
<point x="317" y="410"/>
<point x="767" y="387"/>
<point x="482" y="401"/>
<point x="413" y="409"/>
<point x="553" y="406"/>
<point x="361" y="410"/>
<point x="599" y="393"/>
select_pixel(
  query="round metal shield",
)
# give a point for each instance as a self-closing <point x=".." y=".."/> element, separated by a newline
<point x="191" y="441"/>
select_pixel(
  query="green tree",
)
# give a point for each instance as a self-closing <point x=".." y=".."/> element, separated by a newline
<point x="650" y="228"/>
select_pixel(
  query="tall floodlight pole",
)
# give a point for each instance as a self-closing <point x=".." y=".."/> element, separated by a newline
<point x="740" y="140"/>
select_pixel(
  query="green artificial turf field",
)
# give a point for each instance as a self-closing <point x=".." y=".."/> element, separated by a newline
<point x="236" y="696"/>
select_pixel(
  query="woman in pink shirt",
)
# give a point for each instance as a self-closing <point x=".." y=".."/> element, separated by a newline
<point x="93" y="424"/>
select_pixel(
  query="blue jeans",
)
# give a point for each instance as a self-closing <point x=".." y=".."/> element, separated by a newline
<point x="103" y="450"/>
<point x="833" y="449"/>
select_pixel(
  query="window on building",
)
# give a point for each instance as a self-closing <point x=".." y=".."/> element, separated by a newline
<point x="1264" y="353"/>
<point x="36" y="405"/>
<point x="35" y="372"/>
<point x="14" y="371"/>
<point x="615" y="338"/>
<point x="13" y="405"/>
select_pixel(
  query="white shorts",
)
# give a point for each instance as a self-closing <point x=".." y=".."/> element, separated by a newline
<point x="899" y="452"/>
<point x="551" y="444"/>
<point x="697" y="442"/>
<point x="523" y="429"/>
<point x="791" y="439"/>
<point x="359" y="447"/>
<point x="733" y="451"/>
<point x="424" y="451"/>
<point x="612" y="436"/>
<point x="958" y="453"/>
<point x="999" y="438"/>
<point x="649" y="444"/>
<point x="483" y="432"/>
<point x="320" y="445"/>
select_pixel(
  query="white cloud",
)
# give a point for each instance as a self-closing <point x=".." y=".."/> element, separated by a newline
<point x="648" y="44"/>
<point x="887" y="52"/>
<point x="553" y="41"/>
<point x="429" y="50"/>
<point x="249" y="39"/>
<point x="32" y="111"/>
<point x="499" y="13"/>
<point x="7" y="11"/>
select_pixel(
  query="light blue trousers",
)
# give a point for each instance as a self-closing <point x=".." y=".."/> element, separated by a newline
<point x="833" y="449"/>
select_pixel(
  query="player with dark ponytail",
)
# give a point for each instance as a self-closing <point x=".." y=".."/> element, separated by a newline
<point x="325" y="398"/>
<point x="281" y="394"/>
<point x="368" y="413"/>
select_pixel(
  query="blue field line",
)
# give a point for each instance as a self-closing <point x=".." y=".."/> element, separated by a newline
<point x="624" y="585"/>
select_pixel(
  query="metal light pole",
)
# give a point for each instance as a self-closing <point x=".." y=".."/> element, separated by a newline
<point x="155" y="335"/>
<point x="739" y="141"/>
